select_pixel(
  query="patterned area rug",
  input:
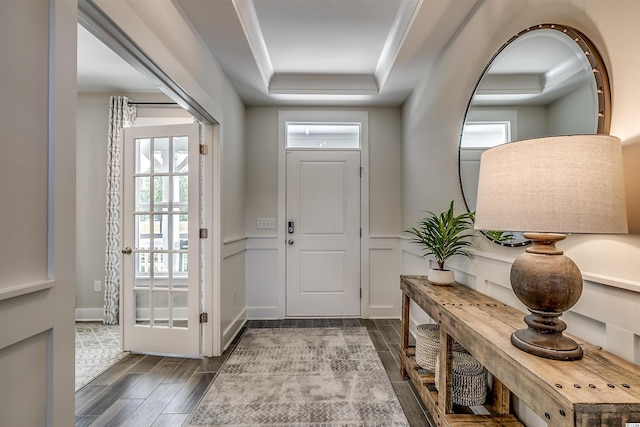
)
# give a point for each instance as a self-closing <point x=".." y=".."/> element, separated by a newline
<point x="97" y="349"/>
<point x="325" y="377"/>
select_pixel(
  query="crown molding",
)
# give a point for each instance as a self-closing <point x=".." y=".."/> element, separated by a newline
<point x="332" y="84"/>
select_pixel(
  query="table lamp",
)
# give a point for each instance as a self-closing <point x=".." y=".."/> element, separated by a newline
<point x="549" y="187"/>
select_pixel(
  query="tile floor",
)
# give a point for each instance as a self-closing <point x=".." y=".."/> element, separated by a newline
<point x="162" y="391"/>
<point x="97" y="349"/>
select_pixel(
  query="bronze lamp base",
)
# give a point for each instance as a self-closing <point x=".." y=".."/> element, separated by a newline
<point x="548" y="283"/>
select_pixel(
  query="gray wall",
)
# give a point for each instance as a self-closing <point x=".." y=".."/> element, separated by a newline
<point x="37" y="218"/>
<point x="381" y="296"/>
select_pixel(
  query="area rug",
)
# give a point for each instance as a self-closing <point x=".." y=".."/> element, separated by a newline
<point x="97" y="349"/>
<point x="301" y="377"/>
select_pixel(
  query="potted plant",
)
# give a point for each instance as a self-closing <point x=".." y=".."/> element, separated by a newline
<point x="443" y="236"/>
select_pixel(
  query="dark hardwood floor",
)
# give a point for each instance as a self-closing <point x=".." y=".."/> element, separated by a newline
<point x="160" y="391"/>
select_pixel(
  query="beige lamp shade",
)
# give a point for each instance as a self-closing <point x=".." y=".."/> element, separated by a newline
<point x="561" y="184"/>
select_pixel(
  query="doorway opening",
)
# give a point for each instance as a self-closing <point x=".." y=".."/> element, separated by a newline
<point x="165" y="103"/>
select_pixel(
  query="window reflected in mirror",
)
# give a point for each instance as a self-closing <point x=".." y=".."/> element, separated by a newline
<point x="547" y="80"/>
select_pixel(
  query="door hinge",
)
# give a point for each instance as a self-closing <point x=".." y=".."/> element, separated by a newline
<point x="204" y="233"/>
<point x="204" y="149"/>
<point x="204" y="317"/>
<point x="360" y="293"/>
<point x="361" y="169"/>
<point x="361" y="232"/>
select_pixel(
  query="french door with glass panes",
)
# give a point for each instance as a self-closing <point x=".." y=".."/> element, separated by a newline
<point x="160" y="295"/>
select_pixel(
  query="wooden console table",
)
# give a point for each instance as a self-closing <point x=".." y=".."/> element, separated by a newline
<point x="598" y="390"/>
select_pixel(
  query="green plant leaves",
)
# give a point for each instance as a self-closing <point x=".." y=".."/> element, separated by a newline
<point x="443" y="235"/>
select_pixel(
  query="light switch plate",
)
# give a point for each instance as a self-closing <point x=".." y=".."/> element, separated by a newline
<point x="265" y="223"/>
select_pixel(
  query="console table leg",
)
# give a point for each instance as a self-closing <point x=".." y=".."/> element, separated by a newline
<point x="404" y="344"/>
<point x="445" y="380"/>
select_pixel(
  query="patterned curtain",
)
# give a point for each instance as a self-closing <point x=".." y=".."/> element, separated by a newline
<point x="121" y="115"/>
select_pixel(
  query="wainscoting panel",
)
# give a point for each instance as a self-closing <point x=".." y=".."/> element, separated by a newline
<point x="26" y="381"/>
<point x="381" y="267"/>
<point x="232" y="290"/>
<point x="381" y="279"/>
<point x="382" y="299"/>
<point x="262" y="278"/>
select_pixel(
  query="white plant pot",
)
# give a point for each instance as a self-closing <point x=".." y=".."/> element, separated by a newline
<point x="441" y="277"/>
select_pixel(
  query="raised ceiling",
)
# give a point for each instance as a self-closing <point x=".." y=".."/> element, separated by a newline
<point x="352" y="52"/>
<point x="310" y="51"/>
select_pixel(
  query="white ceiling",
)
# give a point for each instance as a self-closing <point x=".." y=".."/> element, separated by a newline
<point x="361" y="52"/>
<point x="311" y="52"/>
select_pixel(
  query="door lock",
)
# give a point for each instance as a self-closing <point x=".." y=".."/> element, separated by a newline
<point x="290" y="228"/>
<point x="291" y="242"/>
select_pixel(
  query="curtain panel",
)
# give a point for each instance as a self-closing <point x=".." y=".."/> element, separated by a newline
<point x="121" y="114"/>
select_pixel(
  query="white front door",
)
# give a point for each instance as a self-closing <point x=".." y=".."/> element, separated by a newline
<point x="161" y="240"/>
<point x="323" y="235"/>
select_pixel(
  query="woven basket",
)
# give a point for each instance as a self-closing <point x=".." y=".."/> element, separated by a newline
<point x="428" y="346"/>
<point x="469" y="385"/>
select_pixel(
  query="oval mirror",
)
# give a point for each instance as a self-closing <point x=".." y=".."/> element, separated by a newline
<point x="547" y="80"/>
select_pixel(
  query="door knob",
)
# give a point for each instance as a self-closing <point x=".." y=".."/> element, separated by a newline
<point x="290" y="241"/>
<point x="127" y="251"/>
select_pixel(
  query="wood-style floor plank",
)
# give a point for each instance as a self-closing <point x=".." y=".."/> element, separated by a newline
<point x="87" y="393"/>
<point x="183" y="371"/>
<point x="118" y="413"/>
<point x="190" y="394"/>
<point x="109" y="396"/>
<point x="170" y="420"/>
<point x="151" y="408"/>
<point x="412" y="409"/>
<point x="116" y="371"/>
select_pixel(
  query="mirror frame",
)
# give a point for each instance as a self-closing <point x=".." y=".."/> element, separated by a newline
<point x="602" y="86"/>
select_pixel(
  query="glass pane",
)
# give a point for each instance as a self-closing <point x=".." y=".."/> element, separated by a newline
<point x="143" y="231"/>
<point x="143" y="192"/>
<point x="485" y="134"/>
<point x="180" y="270"/>
<point x="181" y="154"/>
<point x="183" y="230"/>
<point x="328" y="136"/>
<point x="161" y="270"/>
<point x="143" y="159"/>
<point x="160" y="192"/>
<point x="143" y="267"/>
<point x="180" y="192"/>
<point x="143" y="309"/>
<point x="179" y="224"/>
<point x="179" y="310"/>
<point x="161" y="155"/>
<point x="161" y="232"/>
<point x="161" y="309"/>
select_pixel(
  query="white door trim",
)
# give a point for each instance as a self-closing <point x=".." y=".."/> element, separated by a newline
<point x="210" y="215"/>
<point x="319" y="116"/>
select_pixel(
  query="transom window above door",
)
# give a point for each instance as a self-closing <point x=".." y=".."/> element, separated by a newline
<point x="322" y="135"/>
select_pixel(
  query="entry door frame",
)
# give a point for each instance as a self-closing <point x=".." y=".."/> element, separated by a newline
<point x="328" y="116"/>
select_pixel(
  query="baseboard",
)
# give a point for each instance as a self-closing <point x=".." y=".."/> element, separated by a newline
<point x="230" y="333"/>
<point x="89" y="314"/>
<point x="262" y="313"/>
